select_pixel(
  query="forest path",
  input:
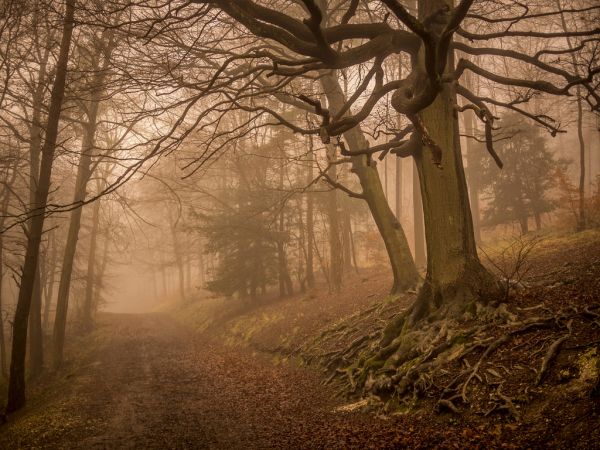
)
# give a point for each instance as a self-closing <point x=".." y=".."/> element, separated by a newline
<point x="153" y="383"/>
<point x="158" y="385"/>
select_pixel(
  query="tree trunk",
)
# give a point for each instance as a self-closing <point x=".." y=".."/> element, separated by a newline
<point x="49" y="285"/>
<point x="91" y="269"/>
<point x="538" y="221"/>
<point x="582" y="221"/>
<point x="16" y="387"/>
<point x="36" y="337"/>
<point x="399" y="189"/>
<point x="36" y="351"/>
<point x="2" y="341"/>
<point x="403" y="267"/>
<point x="336" y="258"/>
<point x="346" y="236"/>
<point x="524" y="223"/>
<point x="83" y="175"/>
<point x="473" y="168"/>
<point x="455" y="275"/>
<point x="310" y="232"/>
<point x="285" y="281"/>
<point x="179" y="261"/>
<point x="99" y="279"/>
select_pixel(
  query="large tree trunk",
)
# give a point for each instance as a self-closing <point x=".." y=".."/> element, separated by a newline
<point x="403" y="267"/>
<point x="455" y="276"/>
<point x="16" y="387"/>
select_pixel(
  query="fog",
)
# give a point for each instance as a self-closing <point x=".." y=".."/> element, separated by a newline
<point x="293" y="218"/>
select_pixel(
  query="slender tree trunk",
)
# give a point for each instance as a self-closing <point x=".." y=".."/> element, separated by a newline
<point x="201" y="269"/>
<point x="538" y="221"/>
<point x="473" y="168"/>
<point x="91" y="269"/>
<point x="310" y="232"/>
<point x="4" y="211"/>
<point x="178" y="261"/>
<point x="582" y="220"/>
<point x="301" y="246"/>
<point x="524" y="223"/>
<point x="346" y="236"/>
<point x="49" y="285"/>
<point x="16" y="387"/>
<point x="403" y="267"/>
<point x="100" y="272"/>
<point x="36" y="338"/>
<point x="285" y="281"/>
<point x="336" y="259"/>
<point x="36" y="352"/>
<point x="83" y="175"/>
<point x="2" y="341"/>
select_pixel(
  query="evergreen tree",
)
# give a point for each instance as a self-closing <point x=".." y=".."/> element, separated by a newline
<point x="522" y="188"/>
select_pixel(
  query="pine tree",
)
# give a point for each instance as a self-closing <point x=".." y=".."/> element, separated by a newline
<point x="522" y="188"/>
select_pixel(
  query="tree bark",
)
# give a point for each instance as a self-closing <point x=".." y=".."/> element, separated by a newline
<point x="49" y="285"/>
<point x="91" y="269"/>
<point x="399" y="189"/>
<point x="84" y="173"/>
<point x="99" y="278"/>
<point x="336" y="258"/>
<point x="2" y="340"/>
<point x="36" y="351"/>
<point x="36" y="337"/>
<point x="4" y="211"/>
<point x="582" y="220"/>
<point x="346" y="235"/>
<point x="310" y="232"/>
<point x="286" y="287"/>
<point x="16" y="386"/>
<point x="403" y="267"/>
<point x="473" y="168"/>
<point x="455" y="276"/>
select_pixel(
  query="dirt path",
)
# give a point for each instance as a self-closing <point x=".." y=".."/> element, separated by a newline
<point x="151" y="383"/>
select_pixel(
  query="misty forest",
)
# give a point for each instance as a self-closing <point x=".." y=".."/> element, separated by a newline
<point x="299" y="224"/>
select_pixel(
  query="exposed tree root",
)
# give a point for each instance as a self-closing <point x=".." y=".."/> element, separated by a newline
<point x="454" y="357"/>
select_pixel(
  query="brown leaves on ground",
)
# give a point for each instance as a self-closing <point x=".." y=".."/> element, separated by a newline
<point x="147" y="381"/>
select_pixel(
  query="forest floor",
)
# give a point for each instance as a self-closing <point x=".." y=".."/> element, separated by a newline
<point x="221" y="374"/>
